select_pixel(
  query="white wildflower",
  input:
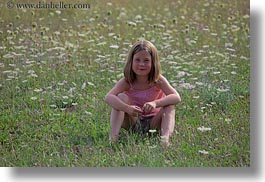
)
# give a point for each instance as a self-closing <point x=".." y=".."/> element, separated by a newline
<point x="34" y="75"/>
<point x="114" y="46"/>
<point x="204" y="152"/>
<point x="38" y="90"/>
<point x="222" y="90"/>
<point x="88" y="113"/>
<point x="152" y="131"/>
<point x="199" y="83"/>
<point x="138" y="17"/>
<point x="202" y="128"/>
<point x="33" y="98"/>
<point x="131" y="23"/>
<point x="83" y="86"/>
<point x="228" y="119"/>
<point x="90" y="83"/>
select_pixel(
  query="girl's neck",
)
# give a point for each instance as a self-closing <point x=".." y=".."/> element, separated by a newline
<point x="142" y="80"/>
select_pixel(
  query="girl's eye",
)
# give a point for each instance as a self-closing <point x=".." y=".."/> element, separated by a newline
<point x="146" y="61"/>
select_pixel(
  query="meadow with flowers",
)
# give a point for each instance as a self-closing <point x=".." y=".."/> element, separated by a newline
<point x="56" y="66"/>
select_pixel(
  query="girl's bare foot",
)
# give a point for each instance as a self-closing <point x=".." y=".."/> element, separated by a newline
<point x="164" y="141"/>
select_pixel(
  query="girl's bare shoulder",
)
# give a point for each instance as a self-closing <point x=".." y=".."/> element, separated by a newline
<point x="161" y="81"/>
<point x="122" y="85"/>
<point x="164" y="85"/>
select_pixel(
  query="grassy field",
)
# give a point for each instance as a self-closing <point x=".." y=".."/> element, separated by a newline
<point x="56" y="65"/>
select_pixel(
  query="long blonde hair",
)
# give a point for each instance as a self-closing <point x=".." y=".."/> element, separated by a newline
<point x="154" y="74"/>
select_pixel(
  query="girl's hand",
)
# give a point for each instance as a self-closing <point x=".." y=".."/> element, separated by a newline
<point x="149" y="107"/>
<point x="134" y="111"/>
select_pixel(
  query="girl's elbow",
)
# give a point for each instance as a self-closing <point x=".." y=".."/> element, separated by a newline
<point x="107" y="98"/>
<point x="178" y="98"/>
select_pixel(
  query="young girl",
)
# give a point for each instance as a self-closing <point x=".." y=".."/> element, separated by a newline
<point x="143" y="96"/>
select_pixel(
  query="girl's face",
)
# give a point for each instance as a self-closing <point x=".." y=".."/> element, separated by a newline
<point x="142" y="63"/>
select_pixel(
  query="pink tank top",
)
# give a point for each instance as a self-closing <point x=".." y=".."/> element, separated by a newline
<point x="140" y="97"/>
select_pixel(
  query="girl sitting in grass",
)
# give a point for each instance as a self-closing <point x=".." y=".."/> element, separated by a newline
<point x="143" y="99"/>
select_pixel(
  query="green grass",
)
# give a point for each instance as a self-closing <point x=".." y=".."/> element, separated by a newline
<point x="57" y="65"/>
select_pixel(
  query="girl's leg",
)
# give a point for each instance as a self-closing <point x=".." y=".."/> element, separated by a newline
<point x="119" y="119"/>
<point x="165" y="121"/>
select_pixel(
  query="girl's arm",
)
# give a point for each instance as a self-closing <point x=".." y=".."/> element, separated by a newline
<point x="115" y="102"/>
<point x="172" y="96"/>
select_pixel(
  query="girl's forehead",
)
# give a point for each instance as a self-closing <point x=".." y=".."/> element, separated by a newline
<point x="142" y="53"/>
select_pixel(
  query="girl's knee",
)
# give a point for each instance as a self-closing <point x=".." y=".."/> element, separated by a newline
<point x="124" y="97"/>
<point x="169" y="108"/>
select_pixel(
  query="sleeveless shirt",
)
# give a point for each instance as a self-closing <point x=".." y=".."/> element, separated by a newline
<point x="140" y="97"/>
